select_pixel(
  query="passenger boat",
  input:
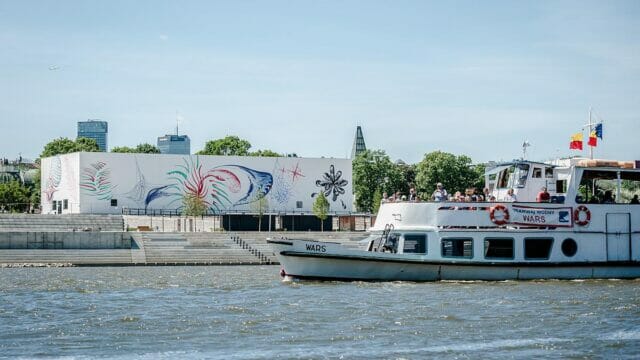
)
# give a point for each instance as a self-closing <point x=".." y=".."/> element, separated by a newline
<point x="587" y="230"/>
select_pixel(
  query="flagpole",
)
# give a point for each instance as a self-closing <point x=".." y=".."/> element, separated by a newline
<point x="590" y="129"/>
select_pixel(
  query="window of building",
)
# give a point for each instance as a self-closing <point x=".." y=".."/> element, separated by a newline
<point x="498" y="248"/>
<point x="415" y="243"/>
<point x="114" y="202"/>
<point x="298" y="204"/>
<point x="537" y="248"/>
<point x="65" y="204"/>
<point x="54" y="205"/>
<point x="569" y="247"/>
<point x="457" y="247"/>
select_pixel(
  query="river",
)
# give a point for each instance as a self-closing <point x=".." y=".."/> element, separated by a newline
<point x="247" y="312"/>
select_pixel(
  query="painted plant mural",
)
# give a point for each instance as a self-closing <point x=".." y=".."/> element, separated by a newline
<point x="221" y="187"/>
<point x="332" y="185"/>
<point x="53" y="178"/>
<point x="95" y="180"/>
<point x="285" y="182"/>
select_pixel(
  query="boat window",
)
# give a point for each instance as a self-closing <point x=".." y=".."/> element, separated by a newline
<point x="537" y="248"/>
<point x="601" y="186"/>
<point x="569" y="247"/>
<point x="415" y="243"/>
<point x="503" y="178"/>
<point x="457" y="247"/>
<point x="537" y="173"/>
<point x="520" y="175"/>
<point x="548" y="173"/>
<point x="498" y="248"/>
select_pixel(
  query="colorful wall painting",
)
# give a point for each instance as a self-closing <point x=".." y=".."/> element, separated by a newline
<point x="95" y="180"/>
<point x="54" y="176"/>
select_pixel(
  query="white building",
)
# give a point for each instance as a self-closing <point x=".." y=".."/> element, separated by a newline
<point x="103" y="183"/>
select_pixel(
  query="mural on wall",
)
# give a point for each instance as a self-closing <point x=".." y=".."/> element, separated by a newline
<point x="284" y="182"/>
<point x="139" y="191"/>
<point x="221" y="187"/>
<point x="95" y="180"/>
<point x="53" y="178"/>
<point x="333" y="185"/>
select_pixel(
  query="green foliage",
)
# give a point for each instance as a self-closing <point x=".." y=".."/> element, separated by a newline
<point x="260" y="206"/>
<point x="454" y="172"/>
<point x="193" y="206"/>
<point x="146" y="149"/>
<point x="373" y="170"/>
<point x="64" y="146"/>
<point x="14" y="197"/>
<point x="265" y="153"/>
<point x="123" y="149"/>
<point x="140" y="149"/>
<point x="230" y="145"/>
<point x="377" y="199"/>
<point x="321" y="209"/>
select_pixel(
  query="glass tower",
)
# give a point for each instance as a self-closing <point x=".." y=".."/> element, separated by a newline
<point x="94" y="129"/>
<point x="358" y="143"/>
<point x="174" y="144"/>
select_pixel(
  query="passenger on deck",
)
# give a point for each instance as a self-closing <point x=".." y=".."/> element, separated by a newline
<point x="440" y="194"/>
<point x="412" y="195"/>
<point x="543" y="195"/>
<point x="634" y="200"/>
<point x="511" y="196"/>
<point x="608" y="198"/>
<point x="384" y="198"/>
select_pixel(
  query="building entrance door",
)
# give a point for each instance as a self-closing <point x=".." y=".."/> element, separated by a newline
<point x="618" y="237"/>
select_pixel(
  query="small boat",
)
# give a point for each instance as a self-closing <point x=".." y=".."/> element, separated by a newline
<point x="589" y="228"/>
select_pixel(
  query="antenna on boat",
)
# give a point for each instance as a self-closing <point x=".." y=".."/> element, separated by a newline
<point x="525" y="145"/>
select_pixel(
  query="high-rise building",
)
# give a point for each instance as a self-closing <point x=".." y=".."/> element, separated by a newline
<point x="358" y="143"/>
<point x="94" y="129"/>
<point x="174" y="144"/>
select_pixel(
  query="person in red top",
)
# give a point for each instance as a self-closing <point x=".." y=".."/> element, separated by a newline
<point x="543" y="195"/>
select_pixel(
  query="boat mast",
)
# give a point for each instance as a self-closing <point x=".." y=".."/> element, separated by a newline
<point x="590" y="125"/>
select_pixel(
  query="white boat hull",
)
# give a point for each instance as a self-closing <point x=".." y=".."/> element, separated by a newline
<point x="339" y="263"/>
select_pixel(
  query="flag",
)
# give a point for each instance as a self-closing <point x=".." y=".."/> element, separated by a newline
<point x="598" y="131"/>
<point x="593" y="140"/>
<point x="576" y="141"/>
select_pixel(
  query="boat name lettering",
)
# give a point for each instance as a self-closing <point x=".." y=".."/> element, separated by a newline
<point x="316" y="248"/>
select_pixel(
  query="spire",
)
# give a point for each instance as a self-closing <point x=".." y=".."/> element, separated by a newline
<point x="358" y="143"/>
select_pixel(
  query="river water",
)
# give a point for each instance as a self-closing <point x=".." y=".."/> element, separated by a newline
<point x="247" y="312"/>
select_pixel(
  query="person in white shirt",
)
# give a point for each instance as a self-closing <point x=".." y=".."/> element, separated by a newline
<point x="510" y="197"/>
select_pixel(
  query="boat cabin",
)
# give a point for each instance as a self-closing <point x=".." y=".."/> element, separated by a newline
<point x="567" y="180"/>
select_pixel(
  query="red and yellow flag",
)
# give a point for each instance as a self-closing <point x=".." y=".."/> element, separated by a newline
<point x="576" y="141"/>
<point x="593" y="139"/>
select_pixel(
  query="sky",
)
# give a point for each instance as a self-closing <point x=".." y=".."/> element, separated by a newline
<point x="473" y="78"/>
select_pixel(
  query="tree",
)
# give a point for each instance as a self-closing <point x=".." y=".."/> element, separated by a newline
<point x="146" y="148"/>
<point x="122" y="149"/>
<point x="192" y="205"/>
<point x="64" y="146"/>
<point x="140" y="149"/>
<point x="321" y="209"/>
<point x="454" y="172"/>
<point x="230" y="145"/>
<point x="265" y="153"/>
<point x="14" y="197"/>
<point x="377" y="199"/>
<point x="373" y="170"/>
<point x="260" y="206"/>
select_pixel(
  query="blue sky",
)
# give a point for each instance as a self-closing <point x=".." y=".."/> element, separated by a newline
<point x="475" y="78"/>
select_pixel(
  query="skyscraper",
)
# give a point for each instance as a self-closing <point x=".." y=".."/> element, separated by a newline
<point x="358" y="143"/>
<point x="94" y="129"/>
<point x="174" y="144"/>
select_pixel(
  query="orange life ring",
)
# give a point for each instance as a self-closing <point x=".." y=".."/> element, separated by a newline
<point x="505" y="214"/>
<point x="576" y="215"/>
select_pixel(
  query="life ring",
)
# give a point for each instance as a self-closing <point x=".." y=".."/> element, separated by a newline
<point x="576" y="215"/>
<point x="505" y="214"/>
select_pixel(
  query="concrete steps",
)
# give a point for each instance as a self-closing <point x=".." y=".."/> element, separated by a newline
<point x="67" y="222"/>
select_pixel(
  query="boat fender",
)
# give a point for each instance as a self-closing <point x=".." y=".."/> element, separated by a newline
<point x="282" y="272"/>
<point x="505" y="214"/>
<point x="576" y="215"/>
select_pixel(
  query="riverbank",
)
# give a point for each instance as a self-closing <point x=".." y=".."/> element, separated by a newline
<point x="121" y="248"/>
